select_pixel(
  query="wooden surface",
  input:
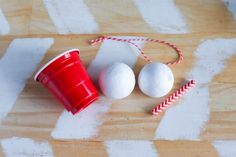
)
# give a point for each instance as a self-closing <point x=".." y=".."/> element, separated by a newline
<point x="35" y="112"/>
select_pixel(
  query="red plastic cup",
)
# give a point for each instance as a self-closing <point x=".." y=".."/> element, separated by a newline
<point x="66" y="78"/>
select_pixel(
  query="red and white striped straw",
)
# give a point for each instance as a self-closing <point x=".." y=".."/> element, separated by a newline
<point x="179" y="52"/>
<point x="173" y="97"/>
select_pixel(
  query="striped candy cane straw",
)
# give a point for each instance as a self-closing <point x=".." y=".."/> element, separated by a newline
<point x="179" y="52"/>
<point x="173" y="97"/>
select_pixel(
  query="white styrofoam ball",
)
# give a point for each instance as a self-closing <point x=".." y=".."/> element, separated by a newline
<point x="155" y="79"/>
<point x="117" y="80"/>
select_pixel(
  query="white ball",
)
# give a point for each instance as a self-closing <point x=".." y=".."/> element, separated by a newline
<point x="155" y="79"/>
<point x="117" y="80"/>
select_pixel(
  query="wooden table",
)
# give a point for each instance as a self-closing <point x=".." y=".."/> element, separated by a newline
<point x="35" y="112"/>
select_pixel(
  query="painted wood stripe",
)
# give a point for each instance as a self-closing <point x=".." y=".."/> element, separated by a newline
<point x="119" y="148"/>
<point x="16" y="66"/>
<point x="225" y="148"/>
<point x="71" y="16"/>
<point x="25" y="147"/>
<point x="187" y="118"/>
<point x="83" y="125"/>
<point x="231" y="5"/>
<point x="4" y="26"/>
<point x="163" y="16"/>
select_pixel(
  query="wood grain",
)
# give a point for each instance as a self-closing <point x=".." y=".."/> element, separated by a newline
<point x="35" y="112"/>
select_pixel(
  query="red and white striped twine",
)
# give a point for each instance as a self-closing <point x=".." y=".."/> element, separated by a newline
<point x="173" y="97"/>
<point x="179" y="52"/>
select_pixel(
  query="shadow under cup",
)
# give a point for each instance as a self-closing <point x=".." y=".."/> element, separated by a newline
<point x="66" y="78"/>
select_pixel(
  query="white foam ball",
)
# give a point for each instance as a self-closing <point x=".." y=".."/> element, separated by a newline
<point x="117" y="80"/>
<point x="155" y="79"/>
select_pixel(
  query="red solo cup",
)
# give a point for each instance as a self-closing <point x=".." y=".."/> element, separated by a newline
<point x="66" y="78"/>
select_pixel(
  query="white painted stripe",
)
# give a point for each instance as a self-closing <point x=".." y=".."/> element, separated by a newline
<point x="25" y="147"/>
<point x="16" y="66"/>
<point x="83" y="125"/>
<point x="114" y="51"/>
<point x="4" y="26"/>
<point x="118" y="148"/>
<point x="162" y="16"/>
<point x="71" y="16"/>
<point x="231" y="5"/>
<point x="225" y="148"/>
<point x="187" y="118"/>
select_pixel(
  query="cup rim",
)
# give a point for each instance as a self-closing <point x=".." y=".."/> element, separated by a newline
<point x="51" y="61"/>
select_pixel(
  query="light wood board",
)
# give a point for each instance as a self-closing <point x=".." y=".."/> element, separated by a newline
<point x="35" y="112"/>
